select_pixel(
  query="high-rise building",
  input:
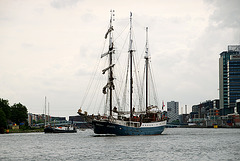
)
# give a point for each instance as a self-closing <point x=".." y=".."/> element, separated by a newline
<point x="172" y="111"/>
<point x="229" y="79"/>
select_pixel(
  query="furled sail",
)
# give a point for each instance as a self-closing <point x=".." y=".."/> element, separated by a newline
<point x="109" y="30"/>
<point x="108" y="85"/>
<point x="104" y="70"/>
<point x="109" y="52"/>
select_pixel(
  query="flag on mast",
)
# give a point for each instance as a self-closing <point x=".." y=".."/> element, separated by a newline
<point x="163" y="105"/>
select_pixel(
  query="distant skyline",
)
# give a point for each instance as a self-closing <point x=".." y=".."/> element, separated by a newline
<point x="49" y="47"/>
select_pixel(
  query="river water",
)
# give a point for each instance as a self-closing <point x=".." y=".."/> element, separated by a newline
<point x="174" y="144"/>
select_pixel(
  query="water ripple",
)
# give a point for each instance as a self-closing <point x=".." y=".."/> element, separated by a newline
<point x="173" y="144"/>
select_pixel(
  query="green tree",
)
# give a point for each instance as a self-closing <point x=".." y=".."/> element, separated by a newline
<point x="3" y="120"/>
<point x="4" y="105"/>
<point x="19" y="113"/>
<point x="175" y="121"/>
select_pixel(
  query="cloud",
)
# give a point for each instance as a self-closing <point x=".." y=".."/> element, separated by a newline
<point x="187" y="65"/>
<point x="27" y="45"/>
<point x="226" y="14"/>
<point x="202" y="60"/>
<point x="88" y="17"/>
<point x="52" y="48"/>
<point x="60" y="4"/>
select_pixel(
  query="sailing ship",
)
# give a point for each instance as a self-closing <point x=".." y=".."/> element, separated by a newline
<point x="150" y="121"/>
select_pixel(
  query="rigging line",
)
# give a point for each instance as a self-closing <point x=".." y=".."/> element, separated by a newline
<point x="144" y="71"/>
<point x="99" y="105"/>
<point x="117" y="102"/>
<point x="121" y="71"/>
<point x="96" y="86"/>
<point x="96" y="99"/>
<point x="136" y="49"/>
<point x="119" y="81"/>
<point x="118" y="58"/>
<point x="140" y="99"/>
<point x="142" y="82"/>
<point x="135" y="44"/>
<point x="118" y="61"/>
<point x="89" y="84"/>
<point x="154" y="86"/>
<point x="121" y="51"/>
<point x="143" y="52"/>
<point x="94" y="93"/>
<point x="117" y="99"/>
<point x="95" y="96"/>
<point x="136" y="72"/>
<point x="122" y="77"/>
<point x="105" y="97"/>
<point x="141" y="57"/>
<point x="92" y="78"/>
<point x="117" y="87"/>
<point x="124" y="101"/>
<point x="120" y="33"/>
<point x="138" y="24"/>
<point x="125" y="87"/>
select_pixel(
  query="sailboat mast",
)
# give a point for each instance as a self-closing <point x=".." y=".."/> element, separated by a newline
<point x="45" y="121"/>
<point x="48" y="115"/>
<point x="131" y="59"/>
<point x="110" y="79"/>
<point x="146" y="61"/>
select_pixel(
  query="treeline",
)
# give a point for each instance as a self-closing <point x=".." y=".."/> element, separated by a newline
<point x="16" y="113"/>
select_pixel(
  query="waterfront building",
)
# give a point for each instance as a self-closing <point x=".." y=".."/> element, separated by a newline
<point x="204" y="109"/>
<point x="172" y="111"/>
<point x="30" y="119"/>
<point x="233" y="80"/>
<point x="61" y="119"/>
<point x="40" y="118"/>
<point x="195" y="108"/>
<point x="229" y="79"/>
<point x="184" y="118"/>
<point x="77" y="118"/>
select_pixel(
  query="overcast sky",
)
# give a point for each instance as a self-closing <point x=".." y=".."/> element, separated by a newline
<point x="49" y="47"/>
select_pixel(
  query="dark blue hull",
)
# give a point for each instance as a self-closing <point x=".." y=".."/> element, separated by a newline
<point x="106" y="127"/>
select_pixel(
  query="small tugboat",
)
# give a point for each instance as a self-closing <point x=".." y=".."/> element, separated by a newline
<point x="60" y="129"/>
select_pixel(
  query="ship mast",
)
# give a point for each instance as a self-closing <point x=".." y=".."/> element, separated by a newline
<point x="110" y="63"/>
<point x="146" y="63"/>
<point x="110" y="52"/>
<point x="45" y="119"/>
<point x="131" y="59"/>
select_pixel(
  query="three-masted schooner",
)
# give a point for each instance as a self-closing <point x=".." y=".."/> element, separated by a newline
<point x="151" y="121"/>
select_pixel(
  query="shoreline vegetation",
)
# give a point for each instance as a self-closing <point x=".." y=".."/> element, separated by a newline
<point x="13" y="118"/>
<point x="8" y="131"/>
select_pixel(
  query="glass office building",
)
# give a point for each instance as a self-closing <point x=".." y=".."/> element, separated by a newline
<point x="229" y="78"/>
